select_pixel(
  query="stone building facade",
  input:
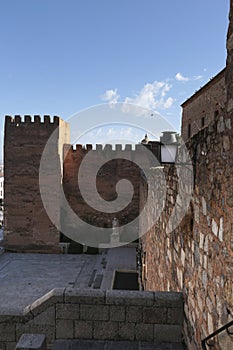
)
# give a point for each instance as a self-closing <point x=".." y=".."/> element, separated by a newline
<point x="204" y="106"/>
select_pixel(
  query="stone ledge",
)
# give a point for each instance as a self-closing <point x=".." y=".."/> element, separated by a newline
<point x="168" y="299"/>
<point x="115" y="297"/>
<point x="55" y="296"/>
<point x="86" y="296"/>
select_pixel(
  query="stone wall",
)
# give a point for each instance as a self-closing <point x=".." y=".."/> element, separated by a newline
<point x="196" y="258"/>
<point x="89" y="314"/>
<point x="204" y="106"/>
<point x="229" y="69"/>
<point x="27" y="226"/>
<point x="109" y="174"/>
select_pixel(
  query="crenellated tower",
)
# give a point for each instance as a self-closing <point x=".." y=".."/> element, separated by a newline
<point x="27" y="226"/>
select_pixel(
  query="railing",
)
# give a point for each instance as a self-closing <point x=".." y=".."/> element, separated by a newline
<point x="204" y="342"/>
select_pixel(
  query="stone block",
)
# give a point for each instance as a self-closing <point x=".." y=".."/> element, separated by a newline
<point x="105" y="330"/>
<point x="155" y="315"/>
<point x="37" y="329"/>
<point x="167" y="333"/>
<point x="10" y="345"/>
<point x="134" y="314"/>
<point x="77" y="296"/>
<point x="49" y="299"/>
<point x="32" y="342"/>
<point x="127" y="331"/>
<point x="168" y="299"/>
<point x="94" y="312"/>
<point x="116" y="297"/>
<point x="3" y="346"/>
<point x="175" y="316"/>
<point x="144" y="332"/>
<point x="117" y="313"/>
<point x="47" y="317"/>
<point x="83" y="329"/>
<point x="67" y="311"/>
<point x="7" y="332"/>
<point x="64" y="329"/>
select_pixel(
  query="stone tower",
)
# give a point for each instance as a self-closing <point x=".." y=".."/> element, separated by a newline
<point x="27" y="226"/>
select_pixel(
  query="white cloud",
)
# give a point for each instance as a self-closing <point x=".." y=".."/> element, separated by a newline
<point x="180" y="77"/>
<point x="152" y="96"/>
<point x="111" y="96"/>
<point x="197" y="77"/>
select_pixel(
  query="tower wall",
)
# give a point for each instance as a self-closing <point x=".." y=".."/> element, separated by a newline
<point x="107" y="178"/>
<point x="27" y="225"/>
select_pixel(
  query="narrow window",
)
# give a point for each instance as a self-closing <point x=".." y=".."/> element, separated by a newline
<point x="202" y="122"/>
<point x="189" y="130"/>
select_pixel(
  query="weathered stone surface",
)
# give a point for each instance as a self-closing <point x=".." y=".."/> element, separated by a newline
<point x="155" y="315"/>
<point x="67" y="311"/>
<point x="64" y="329"/>
<point x="144" y="332"/>
<point x="105" y="330"/>
<point x="94" y="312"/>
<point x="172" y="333"/>
<point x="129" y="298"/>
<point x="7" y="332"/>
<point x="127" y="331"/>
<point x="134" y="314"/>
<point x="84" y="296"/>
<point x="117" y="313"/>
<point x="32" y="342"/>
<point x="83" y="329"/>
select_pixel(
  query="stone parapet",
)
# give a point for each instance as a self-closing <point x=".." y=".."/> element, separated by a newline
<point x="110" y="315"/>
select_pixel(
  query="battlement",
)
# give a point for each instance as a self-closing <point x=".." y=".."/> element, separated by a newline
<point x="102" y="148"/>
<point x="18" y="120"/>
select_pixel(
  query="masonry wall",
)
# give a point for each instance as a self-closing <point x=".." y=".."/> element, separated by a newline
<point x="110" y="172"/>
<point x="104" y="315"/>
<point x="197" y="257"/>
<point x="204" y="106"/>
<point x="27" y="226"/>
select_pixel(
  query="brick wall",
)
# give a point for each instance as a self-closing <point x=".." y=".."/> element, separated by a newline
<point x="89" y="314"/>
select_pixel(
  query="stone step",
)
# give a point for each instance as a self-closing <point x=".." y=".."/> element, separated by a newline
<point x="113" y="345"/>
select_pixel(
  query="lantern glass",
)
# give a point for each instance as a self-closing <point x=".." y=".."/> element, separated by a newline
<point x="168" y="153"/>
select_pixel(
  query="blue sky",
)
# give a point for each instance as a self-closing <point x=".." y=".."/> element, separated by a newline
<point x="59" y="57"/>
